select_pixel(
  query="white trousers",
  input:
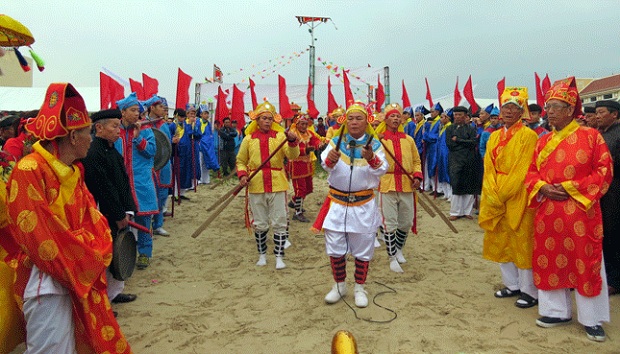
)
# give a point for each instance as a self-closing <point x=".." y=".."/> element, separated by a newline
<point x="518" y="279"/>
<point x="115" y="287"/>
<point x="269" y="208"/>
<point x="49" y="324"/>
<point x="429" y="182"/>
<point x="397" y="209"/>
<point x="446" y="189"/>
<point x="361" y="246"/>
<point x="205" y="178"/>
<point x="591" y="311"/>
<point x="461" y="205"/>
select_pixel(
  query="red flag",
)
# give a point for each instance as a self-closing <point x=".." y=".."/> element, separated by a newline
<point x="331" y="101"/>
<point x="104" y="91"/>
<point x="117" y="92"/>
<point x="237" y="111"/>
<point x="217" y="74"/>
<point x="348" y="95"/>
<point x="457" y="93"/>
<point x="468" y="92"/>
<point x="312" y="111"/>
<point x="183" y="82"/>
<point x="150" y="85"/>
<point x="221" y="111"/>
<point x="406" y="102"/>
<point x="136" y="87"/>
<point x="501" y="85"/>
<point x="546" y="85"/>
<point x="253" y="94"/>
<point x="540" y="96"/>
<point x="428" y="94"/>
<point x="285" y="105"/>
<point x="380" y="95"/>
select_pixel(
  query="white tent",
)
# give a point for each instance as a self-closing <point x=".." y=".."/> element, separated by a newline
<point x="31" y="98"/>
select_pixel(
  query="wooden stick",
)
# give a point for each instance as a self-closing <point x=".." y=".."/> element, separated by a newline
<point x="234" y="172"/>
<point x="426" y="208"/>
<point x="215" y="214"/>
<point x="443" y="217"/>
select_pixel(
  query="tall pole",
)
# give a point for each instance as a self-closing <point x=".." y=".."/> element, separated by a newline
<point x="386" y="80"/>
<point x="312" y="56"/>
<point x="312" y="22"/>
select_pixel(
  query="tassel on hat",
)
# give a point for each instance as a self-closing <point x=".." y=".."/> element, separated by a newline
<point x="37" y="59"/>
<point x="22" y="60"/>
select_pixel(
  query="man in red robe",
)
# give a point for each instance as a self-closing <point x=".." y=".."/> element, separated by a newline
<point x="571" y="170"/>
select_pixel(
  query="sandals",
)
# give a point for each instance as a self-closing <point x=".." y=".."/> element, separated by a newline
<point x="525" y="301"/>
<point x="505" y="292"/>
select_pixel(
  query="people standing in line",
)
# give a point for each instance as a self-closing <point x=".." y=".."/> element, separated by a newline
<point x="431" y="134"/>
<point x="267" y="189"/>
<point x="607" y="113"/>
<point x="534" y="120"/>
<point x="504" y="216"/>
<point x="464" y="164"/>
<point x="208" y="155"/>
<point x="349" y="216"/>
<point x="397" y="196"/>
<point x="570" y="171"/>
<point x="189" y="152"/>
<point x="443" y="171"/>
<point x="137" y="145"/>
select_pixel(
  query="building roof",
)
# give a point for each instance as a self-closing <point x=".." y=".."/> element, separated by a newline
<point x="603" y="84"/>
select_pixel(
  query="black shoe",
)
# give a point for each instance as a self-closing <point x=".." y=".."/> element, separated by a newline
<point x="595" y="333"/>
<point x="183" y="197"/>
<point x="122" y="298"/>
<point x="548" y="322"/>
<point x="300" y="217"/>
<point x="525" y="301"/>
<point x="505" y="292"/>
<point x="291" y="204"/>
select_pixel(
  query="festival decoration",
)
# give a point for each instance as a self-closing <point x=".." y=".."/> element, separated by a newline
<point x="428" y="94"/>
<point x="405" y="96"/>
<point x="183" y="82"/>
<point x="149" y="85"/>
<point x="14" y="34"/>
<point x="501" y="85"/>
<point x="468" y="92"/>
<point x="457" y="93"/>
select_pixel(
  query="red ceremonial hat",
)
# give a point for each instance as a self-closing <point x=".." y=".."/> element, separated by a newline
<point x="63" y="109"/>
<point x="565" y="90"/>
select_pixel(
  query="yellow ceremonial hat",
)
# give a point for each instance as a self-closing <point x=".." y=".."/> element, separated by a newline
<point x="265" y="107"/>
<point x="393" y="108"/>
<point x="517" y="96"/>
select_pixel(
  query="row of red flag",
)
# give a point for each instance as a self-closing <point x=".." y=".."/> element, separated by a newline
<point x="112" y="91"/>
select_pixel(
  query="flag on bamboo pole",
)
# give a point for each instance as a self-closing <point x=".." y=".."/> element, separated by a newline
<point x="428" y="94"/>
<point x="457" y="93"/>
<point x="136" y="87"/>
<point x="183" y="82"/>
<point x="546" y="84"/>
<point x="221" y="111"/>
<point x="348" y="94"/>
<point x="285" y="105"/>
<point x="312" y="111"/>
<point x="331" y="101"/>
<point x="468" y="92"/>
<point x="501" y="85"/>
<point x="540" y="96"/>
<point x="150" y="86"/>
<point x="380" y="95"/>
<point x="405" y="96"/>
<point x="253" y="94"/>
<point x="238" y="110"/>
<point x="110" y="91"/>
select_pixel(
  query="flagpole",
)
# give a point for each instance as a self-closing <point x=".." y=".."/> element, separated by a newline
<point x="312" y="22"/>
<point x="386" y="84"/>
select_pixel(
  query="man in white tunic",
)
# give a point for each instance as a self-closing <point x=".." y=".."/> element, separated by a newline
<point x="350" y="218"/>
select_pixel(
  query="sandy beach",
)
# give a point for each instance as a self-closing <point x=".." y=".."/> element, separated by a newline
<point x="206" y="295"/>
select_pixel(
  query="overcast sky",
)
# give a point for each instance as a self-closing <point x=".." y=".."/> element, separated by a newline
<point x="436" y="39"/>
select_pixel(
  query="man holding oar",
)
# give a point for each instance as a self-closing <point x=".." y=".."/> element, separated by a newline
<point x="267" y="189"/>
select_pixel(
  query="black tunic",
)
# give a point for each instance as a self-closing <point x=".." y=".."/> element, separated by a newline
<point x="107" y="180"/>
<point x="464" y="162"/>
<point x="610" y="208"/>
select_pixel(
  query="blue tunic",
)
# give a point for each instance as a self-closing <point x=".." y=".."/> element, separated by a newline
<point x="209" y="154"/>
<point x="442" y="160"/>
<point x="431" y="134"/>
<point x="190" y="139"/>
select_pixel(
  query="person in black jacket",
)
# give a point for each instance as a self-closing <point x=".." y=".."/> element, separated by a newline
<point x="107" y="180"/>
<point x="227" y="136"/>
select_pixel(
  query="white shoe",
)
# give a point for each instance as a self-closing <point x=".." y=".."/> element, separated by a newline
<point x="361" y="300"/>
<point x="395" y="266"/>
<point x="338" y="291"/>
<point x="160" y="231"/>
<point x="287" y="244"/>
<point x="377" y="244"/>
<point x="262" y="260"/>
<point x="399" y="256"/>
<point x="280" y="263"/>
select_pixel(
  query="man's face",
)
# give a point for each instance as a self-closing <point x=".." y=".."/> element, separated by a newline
<point x="559" y="113"/>
<point x="604" y="118"/>
<point x="319" y="121"/>
<point x="302" y="126"/>
<point x="484" y="116"/>
<point x="82" y="140"/>
<point x="158" y="110"/>
<point x="234" y="124"/>
<point x="204" y="115"/>
<point x="227" y="123"/>
<point x="511" y="113"/>
<point x="191" y="115"/>
<point x="533" y="118"/>
<point x="264" y="121"/>
<point x="131" y="114"/>
<point x="460" y="117"/>
<point x="393" y="121"/>
<point x="494" y="120"/>
<point x="405" y="117"/>
<point x="356" y="124"/>
<point x="434" y="114"/>
<point x="591" y="120"/>
<point x="444" y="119"/>
<point x="418" y="116"/>
<point x="108" y="129"/>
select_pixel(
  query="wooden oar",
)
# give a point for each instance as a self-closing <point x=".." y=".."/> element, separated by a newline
<point x="443" y="217"/>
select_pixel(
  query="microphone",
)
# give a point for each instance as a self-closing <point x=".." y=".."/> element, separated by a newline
<point x="352" y="145"/>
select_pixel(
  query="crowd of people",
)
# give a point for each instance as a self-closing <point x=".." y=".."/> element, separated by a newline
<point x="539" y="181"/>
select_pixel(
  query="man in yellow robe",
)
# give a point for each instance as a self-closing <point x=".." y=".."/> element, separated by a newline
<point x="504" y="216"/>
<point x="267" y="189"/>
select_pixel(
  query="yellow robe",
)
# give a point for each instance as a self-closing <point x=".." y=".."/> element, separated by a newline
<point x="504" y="215"/>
